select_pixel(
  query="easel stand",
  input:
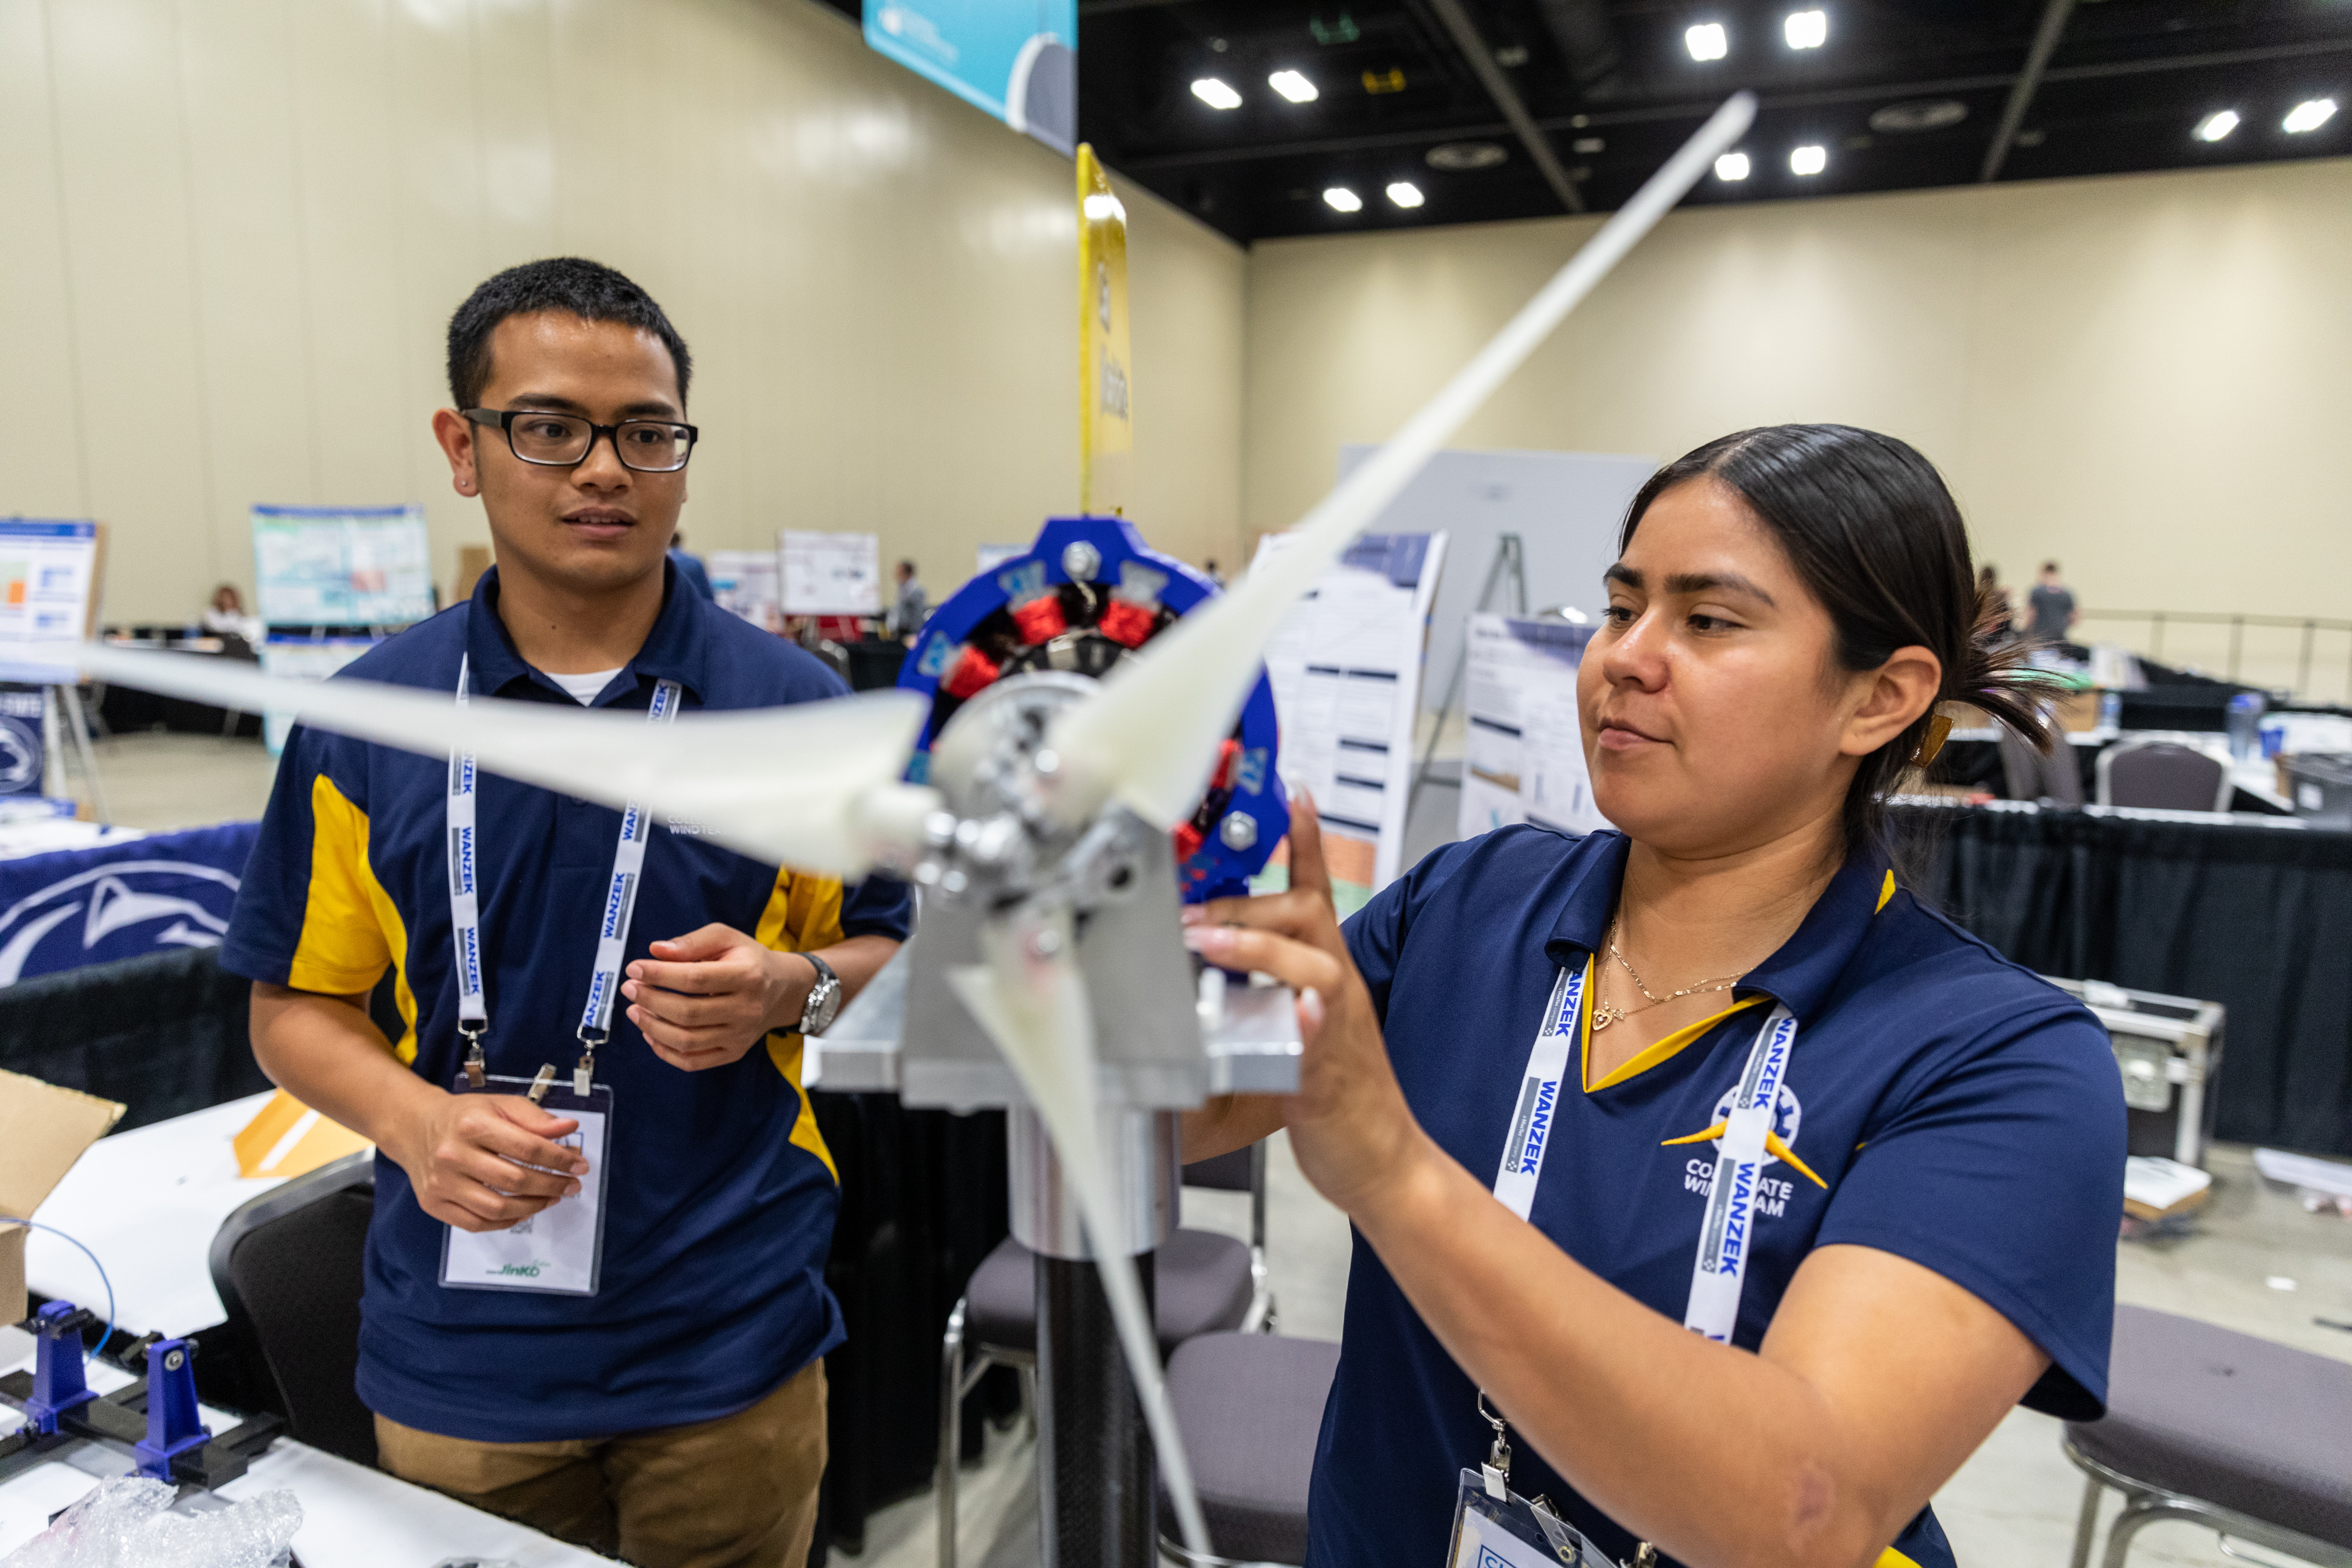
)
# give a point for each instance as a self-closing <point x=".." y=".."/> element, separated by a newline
<point x="1510" y="560"/>
<point x="54" y="724"/>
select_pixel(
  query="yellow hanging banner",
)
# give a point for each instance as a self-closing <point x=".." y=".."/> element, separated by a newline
<point x="1106" y="421"/>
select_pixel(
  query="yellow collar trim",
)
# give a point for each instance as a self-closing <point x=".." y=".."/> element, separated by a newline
<point x="1650" y="1055"/>
<point x="1885" y="892"/>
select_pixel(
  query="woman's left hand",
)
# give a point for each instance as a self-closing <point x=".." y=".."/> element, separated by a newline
<point x="1349" y="1126"/>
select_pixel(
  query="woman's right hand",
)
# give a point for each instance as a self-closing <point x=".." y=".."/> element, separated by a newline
<point x="1349" y="1126"/>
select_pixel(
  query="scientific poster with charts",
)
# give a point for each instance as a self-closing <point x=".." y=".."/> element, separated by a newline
<point x="830" y="574"/>
<point x="49" y="581"/>
<point x="1522" y="745"/>
<point x="342" y="566"/>
<point x="744" y="583"/>
<point x="1346" y="664"/>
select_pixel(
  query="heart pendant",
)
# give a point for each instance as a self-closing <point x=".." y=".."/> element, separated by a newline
<point x="1604" y="1016"/>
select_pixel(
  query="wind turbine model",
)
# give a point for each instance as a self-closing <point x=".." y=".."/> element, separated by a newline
<point x="1050" y="927"/>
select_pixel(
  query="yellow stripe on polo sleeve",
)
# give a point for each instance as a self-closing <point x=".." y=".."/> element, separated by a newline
<point x="803" y="913"/>
<point x="351" y="929"/>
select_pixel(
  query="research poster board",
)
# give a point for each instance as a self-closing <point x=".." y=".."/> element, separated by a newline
<point x="1346" y="664"/>
<point x="829" y="574"/>
<point x="51" y="570"/>
<point x="303" y="659"/>
<point x="1014" y="59"/>
<point x="1523" y="744"/>
<point x="745" y="583"/>
<point x="342" y="566"/>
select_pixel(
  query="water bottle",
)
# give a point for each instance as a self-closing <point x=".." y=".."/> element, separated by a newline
<point x="2245" y="725"/>
<point x="2111" y="710"/>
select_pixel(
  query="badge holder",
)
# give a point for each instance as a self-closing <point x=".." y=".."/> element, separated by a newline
<point x="560" y="1250"/>
<point x="1495" y="1527"/>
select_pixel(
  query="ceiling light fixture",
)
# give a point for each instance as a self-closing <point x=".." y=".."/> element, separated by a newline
<point x="1918" y="114"/>
<point x="1808" y="159"/>
<point x="1731" y="166"/>
<point x="2216" y="125"/>
<point x="1806" y="29"/>
<point x="1293" y="85"/>
<point x="1341" y="199"/>
<point x="1405" y="194"/>
<point x="1461" y="157"/>
<point x="1706" y="41"/>
<point x="2309" y="115"/>
<point x="1102" y="208"/>
<point x="1217" y="94"/>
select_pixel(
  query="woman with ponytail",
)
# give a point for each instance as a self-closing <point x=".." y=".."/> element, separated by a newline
<point x="1798" y="1188"/>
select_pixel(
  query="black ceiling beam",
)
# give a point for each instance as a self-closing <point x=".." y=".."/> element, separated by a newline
<point x="1672" y="111"/>
<point x="2028" y="82"/>
<point x="1480" y="60"/>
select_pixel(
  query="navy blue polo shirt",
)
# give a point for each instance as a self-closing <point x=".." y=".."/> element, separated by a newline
<point x="1955" y="1110"/>
<point x="720" y="1195"/>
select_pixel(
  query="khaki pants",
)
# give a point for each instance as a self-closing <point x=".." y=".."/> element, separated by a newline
<point x="736" y="1493"/>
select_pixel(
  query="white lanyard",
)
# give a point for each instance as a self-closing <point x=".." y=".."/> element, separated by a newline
<point x="1721" y="1265"/>
<point x="465" y="911"/>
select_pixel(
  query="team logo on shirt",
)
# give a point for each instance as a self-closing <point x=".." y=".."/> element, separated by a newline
<point x="1780" y="1144"/>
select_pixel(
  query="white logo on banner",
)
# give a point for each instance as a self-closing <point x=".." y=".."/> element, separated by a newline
<point x="110" y="898"/>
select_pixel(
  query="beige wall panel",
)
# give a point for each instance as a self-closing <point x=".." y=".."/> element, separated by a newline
<point x="1190" y="285"/>
<point x="2138" y="374"/>
<point x="42" y="467"/>
<point x="252" y="286"/>
<point x="120" y="149"/>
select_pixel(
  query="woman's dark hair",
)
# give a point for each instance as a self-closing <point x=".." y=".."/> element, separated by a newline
<point x="1877" y="538"/>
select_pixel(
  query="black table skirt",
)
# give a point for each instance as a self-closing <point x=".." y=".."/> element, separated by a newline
<point x="2256" y="918"/>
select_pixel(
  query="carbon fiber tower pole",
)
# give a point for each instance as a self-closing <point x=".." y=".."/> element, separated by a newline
<point x="1097" y="1497"/>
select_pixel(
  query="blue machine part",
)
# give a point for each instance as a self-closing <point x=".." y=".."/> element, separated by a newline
<point x="174" y="1425"/>
<point x="57" y="1382"/>
<point x="1088" y="593"/>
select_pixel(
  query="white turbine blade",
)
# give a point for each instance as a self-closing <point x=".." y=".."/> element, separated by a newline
<point x="1149" y="736"/>
<point x="812" y="786"/>
<point x="1032" y="1000"/>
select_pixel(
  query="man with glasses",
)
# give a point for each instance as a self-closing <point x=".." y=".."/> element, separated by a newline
<point x="594" y="1304"/>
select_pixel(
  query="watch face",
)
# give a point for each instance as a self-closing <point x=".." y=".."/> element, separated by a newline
<point x="824" y="1001"/>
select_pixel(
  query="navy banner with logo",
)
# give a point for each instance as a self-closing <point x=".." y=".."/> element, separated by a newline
<point x="166" y="892"/>
<point x="20" y="739"/>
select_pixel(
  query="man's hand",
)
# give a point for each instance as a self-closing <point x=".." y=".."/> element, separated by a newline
<point x="466" y="1157"/>
<point x="705" y="999"/>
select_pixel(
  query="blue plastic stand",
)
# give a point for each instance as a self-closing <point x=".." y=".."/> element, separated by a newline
<point x="57" y="1383"/>
<point x="172" y="1424"/>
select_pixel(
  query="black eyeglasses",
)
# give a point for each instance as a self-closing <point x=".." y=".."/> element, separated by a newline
<point x="565" y="440"/>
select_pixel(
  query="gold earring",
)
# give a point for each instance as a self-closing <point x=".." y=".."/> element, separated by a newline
<point x="1932" y="743"/>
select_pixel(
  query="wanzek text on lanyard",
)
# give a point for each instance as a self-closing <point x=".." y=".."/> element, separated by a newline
<point x="465" y="914"/>
<point x="1720" y="1268"/>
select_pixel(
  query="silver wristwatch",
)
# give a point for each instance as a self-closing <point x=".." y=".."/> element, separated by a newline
<point x="823" y="999"/>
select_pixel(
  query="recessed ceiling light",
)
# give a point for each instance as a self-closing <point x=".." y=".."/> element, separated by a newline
<point x="1405" y="194"/>
<point x="2308" y="115"/>
<point x="1462" y="157"/>
<point x="1101" y="208"/>
<point x="1808" y="159"/>
<point x="1731" y="166"/>
<point x="1342" y="200"/>
<point x="1806" y="29"/>
<point x="1590" y="144"/>
<point x="1217" y="94"/>
<point x="1292" y="85"/>
<point x="2216" y="125"/>
<point x="1918" y="114"/>
<point x="1706" y="41"/>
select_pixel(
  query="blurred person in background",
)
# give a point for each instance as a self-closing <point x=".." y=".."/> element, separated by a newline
<point x="907" y="616"/>
<point x="689" y="566"/>
<point x="226" y="616"/>
<point x="2052" y="606"/>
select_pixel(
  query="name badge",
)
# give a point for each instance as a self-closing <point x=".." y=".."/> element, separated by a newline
<point x="560" y="1250"/>
<point x="1495" y="1527"/>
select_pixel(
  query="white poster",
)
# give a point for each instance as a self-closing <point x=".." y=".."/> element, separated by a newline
<point x="744" y="583"/>
<point x="830" y="574"/>
<point x="1524" y="743"/>
<point x="1346" y="664"/>
<point x="48" y="595"/>
<point x="342" y="566"/>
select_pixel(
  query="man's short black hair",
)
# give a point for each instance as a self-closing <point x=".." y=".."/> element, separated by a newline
<point x="588" y="289"/>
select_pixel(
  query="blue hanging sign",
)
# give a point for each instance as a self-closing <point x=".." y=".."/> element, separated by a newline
<point x="1018" y="59"/>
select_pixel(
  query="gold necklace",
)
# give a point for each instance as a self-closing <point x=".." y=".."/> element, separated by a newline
<point x="1603" y="1015"/>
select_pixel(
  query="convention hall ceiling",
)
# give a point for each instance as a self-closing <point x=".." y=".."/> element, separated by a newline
<point x="1506" y="109"/>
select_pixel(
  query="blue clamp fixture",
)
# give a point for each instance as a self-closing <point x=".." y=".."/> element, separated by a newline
<point x="172" y="1424"/>
<point x="57" y="1383"/>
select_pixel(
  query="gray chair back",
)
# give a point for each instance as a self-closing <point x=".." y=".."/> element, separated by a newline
<point x="2163" y="775"/>
<point x="287" y="1266"/>
<point x="2032" y="774"/>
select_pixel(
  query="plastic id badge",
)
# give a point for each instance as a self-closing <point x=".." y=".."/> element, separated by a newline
<point x="1495" y="1527"/>
<point x="560" y="1250"/>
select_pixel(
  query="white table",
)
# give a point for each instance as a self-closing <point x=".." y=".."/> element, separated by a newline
<point x="148" y="1203"/>
<point x="353" y="1516"/>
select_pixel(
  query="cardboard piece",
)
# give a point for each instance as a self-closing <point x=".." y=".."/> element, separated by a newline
<point x="43" y="1131"/>
<point x="288" y="1138"/>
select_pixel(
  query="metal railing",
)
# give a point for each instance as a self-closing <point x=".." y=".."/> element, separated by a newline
<point x="2304" y="630"/>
